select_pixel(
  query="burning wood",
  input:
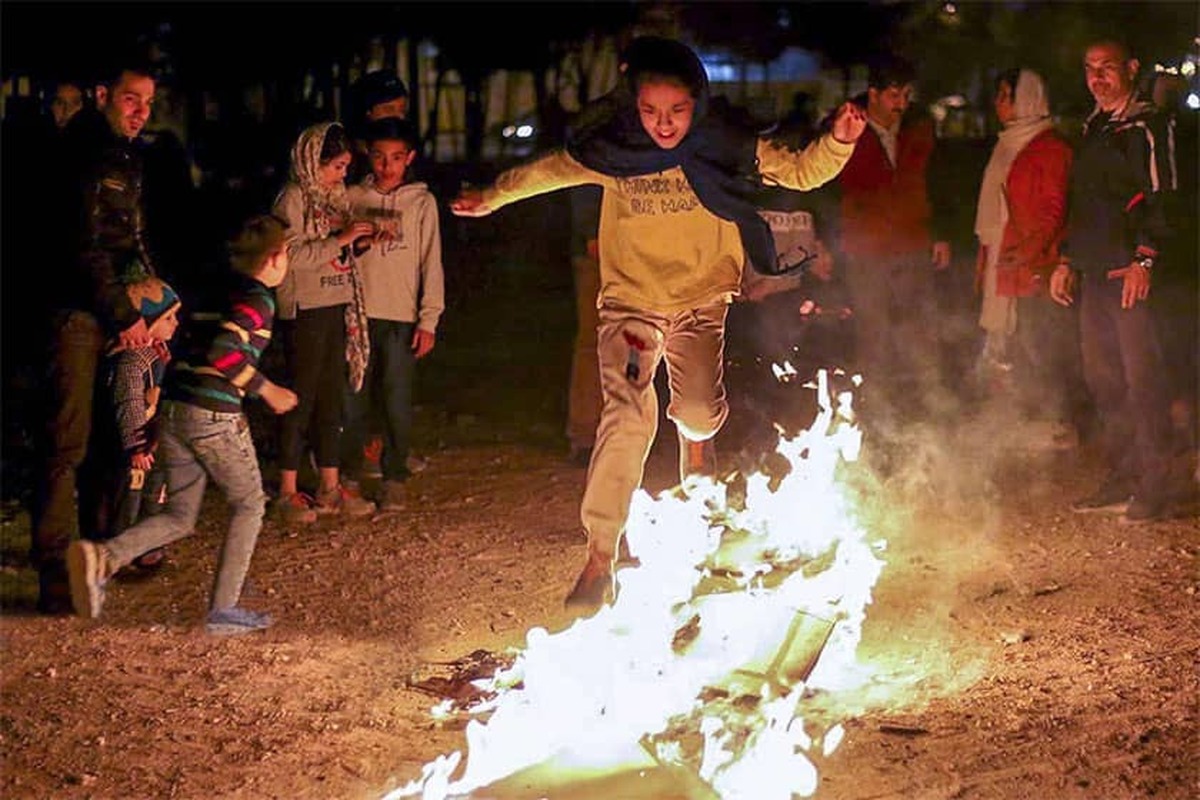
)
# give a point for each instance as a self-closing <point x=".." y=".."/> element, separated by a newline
<point x="702" y="663"/>
<point x="461" y="690"/>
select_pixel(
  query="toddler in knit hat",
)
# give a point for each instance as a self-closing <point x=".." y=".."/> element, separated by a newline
<point x="133" y="377"/>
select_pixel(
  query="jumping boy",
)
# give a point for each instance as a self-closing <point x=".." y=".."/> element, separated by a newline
<point x="205" y="435"/>
<point x="677" y="225"/>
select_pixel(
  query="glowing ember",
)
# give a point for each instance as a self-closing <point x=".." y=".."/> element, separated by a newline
<point x="700" y="665"/>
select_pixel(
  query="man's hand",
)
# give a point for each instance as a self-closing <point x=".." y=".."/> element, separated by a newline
<point x="941" y="255"/>
<point x="277" y="398"/>
<point x="469" y="203"/>
<point x="1136" y="286"/>
<point x="142" y="461"/>
<point x="422" y="342"/>
<point x="1062" y="285"/>
<point x="136" y="335"/>
<point x="849" y="123"/>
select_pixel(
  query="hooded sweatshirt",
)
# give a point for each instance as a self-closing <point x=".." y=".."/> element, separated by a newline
<point x="661" y="249"/>
<point x="402" y="276"/>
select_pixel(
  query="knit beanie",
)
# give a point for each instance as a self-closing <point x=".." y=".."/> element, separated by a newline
<point x="152" y="298"/>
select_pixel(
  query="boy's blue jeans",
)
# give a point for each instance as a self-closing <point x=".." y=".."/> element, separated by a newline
<point x="198" y="444"/>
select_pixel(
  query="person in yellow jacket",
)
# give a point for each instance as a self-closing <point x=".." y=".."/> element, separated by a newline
<point x="677" y="225"/>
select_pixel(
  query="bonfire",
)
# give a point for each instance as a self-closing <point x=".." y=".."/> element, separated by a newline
<point x="745" y="603"/>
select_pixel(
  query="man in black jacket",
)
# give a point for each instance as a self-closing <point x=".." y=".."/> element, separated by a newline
<point x="1123" y="172"/>
<point x="98" y="199"/>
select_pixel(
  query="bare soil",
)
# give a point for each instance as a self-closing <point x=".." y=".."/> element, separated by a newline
<point x="1021" y="650"/>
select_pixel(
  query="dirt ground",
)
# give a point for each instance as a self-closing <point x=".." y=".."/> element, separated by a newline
<point x="1019" y="650"/>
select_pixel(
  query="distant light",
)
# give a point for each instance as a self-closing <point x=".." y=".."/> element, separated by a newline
<point x="1188" y="68"/>
<point x="954" y="101"/>
<point x="508" y="131"/>
<point x="719" y="71"/>
<point x="950" y="8"/>
<point x="524" y="131"/>
<point x="1193" y="101"/>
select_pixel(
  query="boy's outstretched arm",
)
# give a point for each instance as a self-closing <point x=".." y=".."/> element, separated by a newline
<point x="556" y="170"/>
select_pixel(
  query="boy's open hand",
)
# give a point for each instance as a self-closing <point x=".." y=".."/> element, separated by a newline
<point x="849" y="123"/>
<point x="142" y="461"/>
<point x="277" y="398"/>
<point x="469" y="203"/>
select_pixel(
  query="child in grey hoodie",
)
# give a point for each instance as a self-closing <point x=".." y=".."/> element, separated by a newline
<point x="402" y="285"/>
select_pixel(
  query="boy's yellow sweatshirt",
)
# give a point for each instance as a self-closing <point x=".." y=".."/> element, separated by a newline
<point x="661" y="250"/>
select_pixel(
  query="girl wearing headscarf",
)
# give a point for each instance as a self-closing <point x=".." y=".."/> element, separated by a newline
<point x="678" y="223"/>
<point x="322" y="318"/>
<point x="1020" y="220"/>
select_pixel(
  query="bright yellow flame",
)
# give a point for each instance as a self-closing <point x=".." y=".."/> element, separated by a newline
<point x="733" y="612"/>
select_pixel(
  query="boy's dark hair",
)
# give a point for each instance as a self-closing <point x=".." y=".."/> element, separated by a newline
<point x="259" y="238"/>
<point x="337" y="141"/>
<point x="109" y="73"/>
<point x="380" y="86"/>
<point x="392" y="128"/>
<point x="890" y="70"/>
<point x="653" y="58"/>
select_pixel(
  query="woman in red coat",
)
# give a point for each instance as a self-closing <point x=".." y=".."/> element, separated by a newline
<point x="1020" y="220"/>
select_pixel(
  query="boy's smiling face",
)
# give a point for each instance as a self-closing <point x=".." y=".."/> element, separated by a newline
<point x="666" y="109"/>
<point x="390" y="159"/>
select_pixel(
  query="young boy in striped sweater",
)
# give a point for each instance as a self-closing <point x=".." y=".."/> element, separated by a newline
<point x="205" y="435"/>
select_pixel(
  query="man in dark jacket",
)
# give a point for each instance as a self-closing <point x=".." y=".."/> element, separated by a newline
<point x="1124" y="169"/>
<point x="101" y="249"/>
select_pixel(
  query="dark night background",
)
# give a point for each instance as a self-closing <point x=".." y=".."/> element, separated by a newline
<point x="509" y="320"/>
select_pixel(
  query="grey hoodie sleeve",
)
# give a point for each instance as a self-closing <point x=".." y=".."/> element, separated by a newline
<point x="432" y="291"/>
<point x="305" y="254"/>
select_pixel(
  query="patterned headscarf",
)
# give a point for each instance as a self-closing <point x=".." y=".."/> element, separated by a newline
<point x="326" y="211"/>
<point x="326" y="208"/>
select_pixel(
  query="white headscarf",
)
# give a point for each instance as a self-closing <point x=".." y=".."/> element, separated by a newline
<point x="1032" y="116"/>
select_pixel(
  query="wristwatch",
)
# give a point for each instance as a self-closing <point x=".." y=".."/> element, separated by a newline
<point x="1144" y="261"/>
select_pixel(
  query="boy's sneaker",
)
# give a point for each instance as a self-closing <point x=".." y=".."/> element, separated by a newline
<point x="236" y="621"/>
<point x="395" y="496"/>
<point x="594" y="586"/>
<point x="415" y="463"/>
<point x="295" y="509"/>
<point x="343" y="500"/>
<point x="1111" y="496"/>
<point x="1142" y="509"/>
<point x="87" y="572"/>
